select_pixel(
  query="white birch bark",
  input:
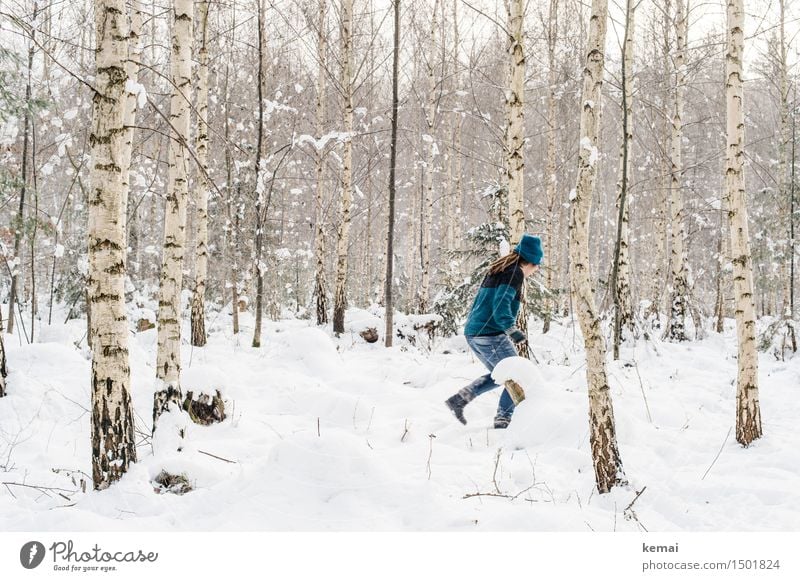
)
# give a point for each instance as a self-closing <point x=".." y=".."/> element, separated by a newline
<point x="131" y="106"/>
<point x="719" y="303"/>
<point x="346" y="200"/>
<point x="371" y="292"/>
<point x="3" y="369"/>
<point x="453" y="233"/>
<point x="260" y="264"/>
<point x="458" y="188"/>
<point x="198" y="330"/>
<point x="624" y="321"/>
<point x="426" y="222"/>
<point x="233" y="197"/>
<point x="515" y="142"/>
<point x="605" y="455"/>
<point x="783" y="150"/>
<point x="320" y="280"/>
<point x="168" y="360"/>
<point x="18" y="226"/>
<point x="679" y="307"/>
<point x="748" y="411"/>
<point x="551" y="178"/>
<point x="413" y="254"/>
<point x="661" y="203"/>
<point x="388" y="290"/>
<point x="515" y="112"/>
<point x="456" y="216"/>
<point x="448" y="219"/>
<point x="234" y="191"/>
<point x="113" y="446"/>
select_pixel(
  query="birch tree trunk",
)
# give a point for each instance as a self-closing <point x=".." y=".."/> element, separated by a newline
<point x="551" y="179"/>
<point x="748" y="411"/>
<point x="168" y="361"/>
<point x="783" y="150"/>
<point x="458" y="190"/>
<point x="458" y="113"/>
<point x="113" y="446"/>
<point x="449" y="218"/>
<point x="605" y="455"/>
<point x="413" y="254"/>
<point x="33" y="294"/>
<point x="452" y="190"/>
<point x="515" y="143"/>
<point x="346" y="200"/>
<point x="235" y="229"/>
<point x="620" y="279"/>
<point x="131" y="106"/>
<point x="793" y="182"/>
<point x="371" y="293"/>
<point x="719" y="303"/>
<point x="661" y="203"/>
<point x="388" y="288"/>
<point x="233" y="191"/>
<point x="679" y="307"/>
<point x="426" y="210"/>
<point x="515" y="130"/>
<point x="3" y="369"/>
<point x="19" y="224"/>
<point x="320" y="280"/>
<point x="201" y="193"/>
<point x="260" y="266"/>
<point x="371" y="213"/>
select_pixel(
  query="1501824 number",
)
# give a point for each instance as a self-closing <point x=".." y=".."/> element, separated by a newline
<point x="759" y="564"/>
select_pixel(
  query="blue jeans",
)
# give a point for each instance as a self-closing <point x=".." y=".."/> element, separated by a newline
<point x="490" y="349"/>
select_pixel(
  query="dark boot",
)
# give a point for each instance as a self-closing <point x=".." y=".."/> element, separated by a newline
<point x="456" y="405"/>
<point x="501" y="422"/>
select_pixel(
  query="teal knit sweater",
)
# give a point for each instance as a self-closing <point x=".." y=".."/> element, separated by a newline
<point x="497" y="303"/>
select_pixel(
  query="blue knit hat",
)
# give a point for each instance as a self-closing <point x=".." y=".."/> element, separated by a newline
<point x="530" y="249"/>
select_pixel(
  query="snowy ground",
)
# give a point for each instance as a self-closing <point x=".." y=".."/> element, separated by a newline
<point x="336" y="434"/>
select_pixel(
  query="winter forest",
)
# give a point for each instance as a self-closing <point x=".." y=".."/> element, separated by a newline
<point x="239" y="241"/>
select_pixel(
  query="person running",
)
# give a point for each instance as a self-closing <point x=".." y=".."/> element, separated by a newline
<point x="491" y="324"/>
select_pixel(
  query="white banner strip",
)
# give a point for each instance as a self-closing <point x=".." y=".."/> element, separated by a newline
<point x="407" y="556"/>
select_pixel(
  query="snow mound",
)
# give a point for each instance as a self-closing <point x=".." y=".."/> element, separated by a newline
<point x="204" y="379"/>
<point x="334" y="461"/>
<point x="357" y="320"/>
<point x="311" y="348"/>
<point x="551" y="423"/>
<point x="521" y="370"/>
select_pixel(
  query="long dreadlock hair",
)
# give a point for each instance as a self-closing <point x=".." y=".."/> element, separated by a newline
<point x="502" y="263"/>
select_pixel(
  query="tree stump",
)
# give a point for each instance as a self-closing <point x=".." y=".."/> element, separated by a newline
<point x="205" y="409"/>
<point x="172" y="483"/>
<point x="370" y="335"/>
<point x="515" y="390"/>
